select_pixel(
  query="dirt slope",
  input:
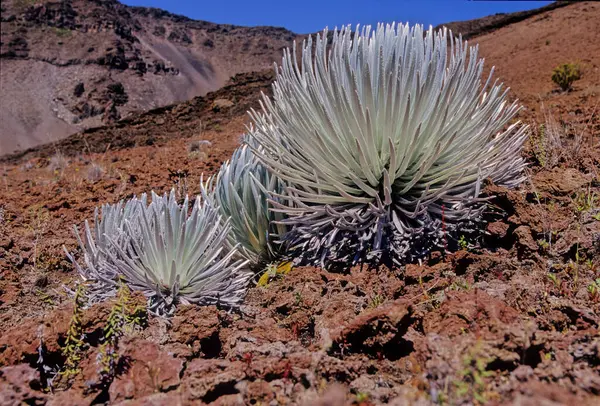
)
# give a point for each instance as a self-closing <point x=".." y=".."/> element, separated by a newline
<point x="479" y="26"/>
<point x="158" y="126"/>
<point x="75" y="64"/>
<point x="513" y="322"/>
<point x="525" y="53"/>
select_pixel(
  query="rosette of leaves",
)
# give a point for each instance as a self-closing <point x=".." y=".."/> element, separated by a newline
<point x="171" y="254"/>
<point x="240" y="191"/>
<point x="99" y="242"/>
<point x="384" y="138"/>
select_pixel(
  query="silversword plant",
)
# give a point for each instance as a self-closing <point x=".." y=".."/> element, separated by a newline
<point x="384" y="138"/>
<point x="161" y="248"/>
<point x="241" y="190"/>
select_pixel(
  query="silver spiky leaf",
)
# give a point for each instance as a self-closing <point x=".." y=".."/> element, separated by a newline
<point x="241" y="190"/>
<point x="379" y="134"/>
<point x="170" y="254"/>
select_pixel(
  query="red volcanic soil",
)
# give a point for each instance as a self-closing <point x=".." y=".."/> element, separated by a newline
<point x="513" y="322"/>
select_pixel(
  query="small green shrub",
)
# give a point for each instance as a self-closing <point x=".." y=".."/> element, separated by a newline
<point x="23" y="4"/>
<point x="124" y="316"/>
<point x="62" y="32"/>
<point x="564" y="75"/>
<point x="74" y="345"/>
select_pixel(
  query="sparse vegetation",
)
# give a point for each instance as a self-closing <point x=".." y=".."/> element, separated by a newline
<point x="57" y="164"/>
<point x="547" y="142"/>
<point x="273" y="271"/>
<point x="38" y="218"/>
<point x="362" y="399"/>
<point x="460" y="285"/>
<point x="564" y="75"/>
<point x="197" y="149"/>
<point x="462" y="243"/>
<point x="585" y="201"/>
<point x="556" y="281"/>
<point x="124" y="317"/>
<point x="62" y="32"/>
<point x="544" y="245"/>
<point x="298" y="298"/>
<point x="594" y="290"/>
<point x="376" y="301"/>
<point x="95" y="172"/>
<point x="45" y="298"/>
<point x="471" y="383"/>
<point x="74" y="344"/>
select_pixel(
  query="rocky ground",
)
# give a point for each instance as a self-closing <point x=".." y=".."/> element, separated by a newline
<point x="512" y="320"/>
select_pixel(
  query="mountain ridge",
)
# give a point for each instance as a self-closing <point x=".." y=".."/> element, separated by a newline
<point x="100" y="60"/>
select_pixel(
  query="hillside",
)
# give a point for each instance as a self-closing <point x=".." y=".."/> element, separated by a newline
<point x="525" y="54"/>
<point x="74" y="64"/>
<point x="537" y="43"/>
<point x="479" y="26"/>
<point x="515" y="321"/>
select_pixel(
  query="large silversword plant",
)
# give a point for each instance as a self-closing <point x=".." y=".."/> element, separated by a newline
<point x="241" y="190"/>
<point x="384" y="139"/>
<point x="171" y="254"/>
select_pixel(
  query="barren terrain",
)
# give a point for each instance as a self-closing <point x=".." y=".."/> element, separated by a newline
<point x="76" y="64"/>
<point x="514" y="321"/>
<point x="71" y="65"/>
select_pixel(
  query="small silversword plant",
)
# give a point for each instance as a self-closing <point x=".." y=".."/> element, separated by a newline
<point x="240" y="191"/>
<point x="171" y="254"/>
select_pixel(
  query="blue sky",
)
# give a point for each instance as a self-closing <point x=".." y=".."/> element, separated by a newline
<point x="307" y="16"/>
